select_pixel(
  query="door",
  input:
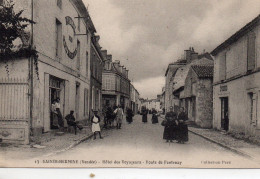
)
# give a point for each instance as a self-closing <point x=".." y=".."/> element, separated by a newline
<point x="77" y="98"/>
<point x="224" y="114"/>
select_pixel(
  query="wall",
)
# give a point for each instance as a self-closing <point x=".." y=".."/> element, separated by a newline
<point x="237" y="89"/>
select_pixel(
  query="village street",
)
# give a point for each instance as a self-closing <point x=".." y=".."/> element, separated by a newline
<point x="139" y="144"/>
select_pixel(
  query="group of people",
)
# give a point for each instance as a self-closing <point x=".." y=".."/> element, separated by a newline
<point x="175" y="126"/>
<point x="57" y="121"/>
<point x="116" y="115"/>
<point x="144" y="113"/>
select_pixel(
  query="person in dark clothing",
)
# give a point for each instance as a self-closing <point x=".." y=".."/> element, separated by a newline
<point x="170" y="129"/>
<point x="182" y="132"/>
<point x="144" y="114"/>
<point x="129" y="115"/>
<point x="95" y="120"/>
<point x="71" y="121"/>
<point x="109" y="116"/>
<point x="154" y="117"/>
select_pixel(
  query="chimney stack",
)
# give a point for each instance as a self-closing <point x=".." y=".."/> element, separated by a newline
<point x="187" y="55"/>
<point x="194" y="56"/>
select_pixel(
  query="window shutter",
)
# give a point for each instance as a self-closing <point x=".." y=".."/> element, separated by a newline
<point x="251" y="52"/>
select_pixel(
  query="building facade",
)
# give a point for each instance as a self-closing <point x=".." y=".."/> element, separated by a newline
<point x="115" y="84"/>
<point x="237" y="81"/>
<point x="197" y="96"/>
<point x="61" y="70"/>
<point x="134" y="98"/>
<point x="96" y="68"/>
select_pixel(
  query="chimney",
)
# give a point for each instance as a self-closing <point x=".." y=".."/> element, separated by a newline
<point x="187" y="55"/>
<point x="104" y="54"/>
<point x="124" y="71"/>
<point x="126" y="74"/>
<point x="194" y="56"/>
<point x="97" y="38"/>
<point x="121" y="69"/>
<point x="117" y="63"/>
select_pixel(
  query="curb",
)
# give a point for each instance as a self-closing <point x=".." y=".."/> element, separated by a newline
<point x="70" y="147"/>
<point x="239" y="152"/>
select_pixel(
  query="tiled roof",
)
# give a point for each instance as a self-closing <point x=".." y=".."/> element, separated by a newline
<point x="203" y="71"/>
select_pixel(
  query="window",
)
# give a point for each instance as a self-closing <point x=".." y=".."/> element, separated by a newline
<point x="78" y="55"/>
<point x="1" y="2"/>
<point x="222" y="66"/>
<point x="86" y="102"/>
<point x="86" y="63"/>
<point x="251" y="52"/>
<point x="58" y="38"/>
<point x="59" y="3"/>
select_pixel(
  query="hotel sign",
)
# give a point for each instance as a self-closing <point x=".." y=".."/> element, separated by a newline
<point x="71" y="54"/>
<point x="223" y="88"/>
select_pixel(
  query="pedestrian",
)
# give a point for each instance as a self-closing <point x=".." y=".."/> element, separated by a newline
<point x="109" y="116"/>
<point x="154" y="117"/>
<point x="54" y="116"/>
<point x="119" y="116"/>
<point x="170" y="123"/>
<point x="59" y="115"/>
<point x="144" y="114"/>
<point x="182" y="132"/>
<point x="129" y="116"/>
<point x="71" y="121"/>
<point x="95" y="120"/>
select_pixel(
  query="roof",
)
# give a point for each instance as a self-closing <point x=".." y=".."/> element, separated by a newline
<point x="203" y="71"/>
<point x="237" y="35"/>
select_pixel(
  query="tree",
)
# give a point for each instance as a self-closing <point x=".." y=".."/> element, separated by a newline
<point x="12" y="27"/>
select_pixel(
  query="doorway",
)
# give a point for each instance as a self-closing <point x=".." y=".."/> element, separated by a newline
<point x="224" y="114"/>
<point x="56" y="90"/>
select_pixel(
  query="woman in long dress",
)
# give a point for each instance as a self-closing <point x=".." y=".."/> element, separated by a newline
<point x="60" y="118"/>
<point x="170" y="129"/>
<point x="144" y="114"/>
<point x="154" y="117"/>
<point x="54" y="116"/>
<point x="182" y="132"/>
<point x="129" y="116"/>
<point x="95" y="120"/>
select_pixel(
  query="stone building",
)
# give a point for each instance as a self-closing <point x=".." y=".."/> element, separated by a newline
<point x="61" y="37"/>
<point x="237" y="81"/>
<point x="197" y="96"/>
<point x="96" y="68"/>
<point x="115" y="84"/>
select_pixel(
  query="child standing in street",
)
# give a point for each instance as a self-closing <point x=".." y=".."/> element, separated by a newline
<point x="95" y="120"/>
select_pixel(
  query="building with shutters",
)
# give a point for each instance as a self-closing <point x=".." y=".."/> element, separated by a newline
<point x="236" y="86"/>
<point x="62" y="38"/>
<point x="115" y="83"/>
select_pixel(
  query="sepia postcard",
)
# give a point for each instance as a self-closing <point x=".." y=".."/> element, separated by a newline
<point x="129" y="84"/>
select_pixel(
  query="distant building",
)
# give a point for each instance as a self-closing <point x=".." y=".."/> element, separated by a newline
<point x="115" y="83"/>
<point x="237" y="81"/>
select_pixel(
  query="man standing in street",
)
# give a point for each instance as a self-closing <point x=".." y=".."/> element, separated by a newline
<point x="119" y="116"/>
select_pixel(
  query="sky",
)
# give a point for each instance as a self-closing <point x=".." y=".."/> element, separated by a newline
<point x="147" y="35"/>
